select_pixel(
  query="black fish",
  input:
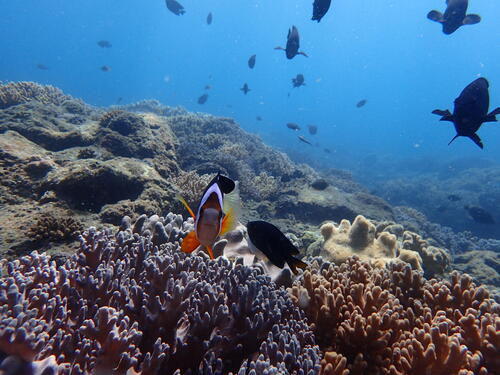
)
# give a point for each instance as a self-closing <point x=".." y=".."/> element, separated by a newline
<point x="470" y="111"/>
<point x="270" y="241"/>
<point x="327" y="150"/>
<point x="42" y="67"/>
<point x="175" y="7"/>
<point x="302" y="139"/>
<point x="209" y="18"/>
<point x="292" y="44"/>
<point x="245" y="89"/>
<point x="119" y="100"/>
<point x="454" y="16"/>
<point x="361" y="103"/>
<point x="104" y="44"/>
<point x="454" y="198"/>
<point x="480" y="215"/>
<point x="320" y="7"/>
<point x="251" y="61"/>
<point x="298" y="81"/>
<point x="203" y="99"/>
<point x="105" y="68"/>
<point x="207" y="87"/>
<point x="293" y="126"/>
<point x="258" y="118"/>
<point x="313" y="129"/>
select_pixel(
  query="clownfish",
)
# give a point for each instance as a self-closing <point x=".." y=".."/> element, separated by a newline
<point x="216" y="214"/>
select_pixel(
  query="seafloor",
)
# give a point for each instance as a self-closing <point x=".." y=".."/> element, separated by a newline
<point x="93" y="280"/>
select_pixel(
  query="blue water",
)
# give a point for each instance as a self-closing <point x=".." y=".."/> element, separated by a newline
<point x="385" y="51"/>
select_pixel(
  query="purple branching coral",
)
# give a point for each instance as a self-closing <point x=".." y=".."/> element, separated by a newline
<point x="123" y="305"/>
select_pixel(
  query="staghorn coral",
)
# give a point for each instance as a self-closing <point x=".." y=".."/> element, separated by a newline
<point x="55" y="229"/>
<point x="14" y="93"/>
<point x="379" y="321"/>
<point x="122" y="305"/>
<point x="191" y="185"/>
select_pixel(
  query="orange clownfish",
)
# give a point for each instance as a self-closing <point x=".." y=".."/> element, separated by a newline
<point x="216" y="214"/>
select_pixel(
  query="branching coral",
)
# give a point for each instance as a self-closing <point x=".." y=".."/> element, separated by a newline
<point x="379" y="321"/>
<point x="191" y="185"/>
<point x="14" y="93"/>
<point x="55" y="229"/>
<point x="122" y="305"/>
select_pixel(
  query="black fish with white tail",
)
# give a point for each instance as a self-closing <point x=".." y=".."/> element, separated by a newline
<point x="245" y="89"/>
<point x="203" y="99"/>
<point x="251" y="61"/>
<point x="320" y="8"/>
<point x="175" y="7"/>
<point x="298" y="81"/>
<point x="470" y="111"/>
<point x="267" y="239"/>
<point x="454" y="16"/>
<point x="292" y="44"/>
<point x="293" y="126"/>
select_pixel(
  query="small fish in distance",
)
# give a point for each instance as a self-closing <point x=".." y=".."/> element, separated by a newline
<point x="258" y="118"/>
<point x="42" y="67"/>
<point x="175" y="7"/>
<point x="245" y="89"/>
<point x="251" y="61"/>
<point x="303" y="139"/>
<point x="209" y="18"/>
<point x="217" y="214"/>
<point x="361" y="103"/>
<point x="320" y="8"/>
<point x="479" y="215"/>
<point x="266" y="240"/>
<point x="292" y="44"/>
<point x="470" y="111"/>
<point x="313" y="129"/>
<point x="203" y="99"/>
<point x="298" y="81"/>
<point x="293" y="126"/>
<point x="104" y="44"/>
<point x="105" y="68"/>
<point x="454" y="16"/>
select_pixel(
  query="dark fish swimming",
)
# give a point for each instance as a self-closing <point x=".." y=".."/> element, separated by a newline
<point x="104" y="44"/>
<point x="320" y="8"/>
<point x="361" y="103"/>
<point x="313" y="129"/>
<point x="251" y="61"/>
<point x="327" y="150"/>
<point x="203" y="99"/>
<point x="245" y="89"/>
<point x="215" y="215"/>
<point x="293" y="126"/>
<point x="267" y="239"/>
<point x="105" y="68"/>
<point x="175" y="7"/>
<point x="454" y="16"/>
<point x="209" y="18"/>
<point x="207" y="87"/>
<point x="42" y="67"/>
<point x="480" y="215"/>
<point x="454" y="198"/>
<point x="292" y="44"/>
<point x="303" y="139"/>
<point x="470" y="111"/>
<point x="258" y="118"/>
<point x="119" y="100"/>
<point x="298" y="81"/>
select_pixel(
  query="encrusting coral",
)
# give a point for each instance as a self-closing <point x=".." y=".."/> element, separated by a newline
<point x="124" y="306"/>
<point x="380" y="245"/>
<point x="379" y="321"/>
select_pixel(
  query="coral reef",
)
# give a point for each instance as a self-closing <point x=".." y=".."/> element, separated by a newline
<point x="380" y="245"/>
<point x="122" y="305"/>
<point x="55" y="229"/>
<point x="14" y="93"/>
<point x="378" y="321"/>
<point x="191" y="185"/>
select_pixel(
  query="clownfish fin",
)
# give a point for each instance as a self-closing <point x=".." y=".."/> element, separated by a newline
<point x="183" y="201"/>
<point x="232" y="209"/>
<point x="210" y="252"/>
<point x="190" y="242"/>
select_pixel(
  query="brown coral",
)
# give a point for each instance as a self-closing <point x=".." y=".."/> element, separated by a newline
<point x="379" y="321"/>
<point x="55" y="228"/>
<point x="14" y="93"/>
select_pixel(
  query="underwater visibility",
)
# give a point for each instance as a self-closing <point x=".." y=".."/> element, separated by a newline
<point x="250" y="187"/>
